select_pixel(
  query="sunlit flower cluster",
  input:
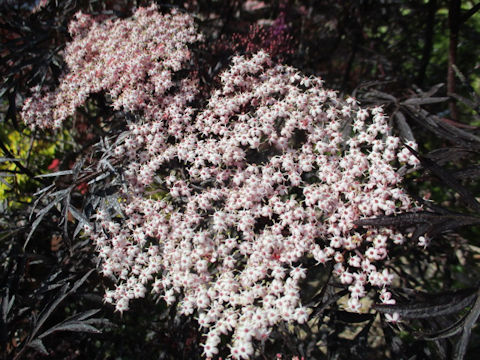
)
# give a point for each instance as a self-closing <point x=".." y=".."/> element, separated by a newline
<point x="133" y="61"/>
<point x="225" y="205"/>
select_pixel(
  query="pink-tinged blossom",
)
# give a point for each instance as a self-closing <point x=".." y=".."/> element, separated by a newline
<point x="132" y="60"/>
<point x="393" y="318"/>
<point x="258" y="180"/>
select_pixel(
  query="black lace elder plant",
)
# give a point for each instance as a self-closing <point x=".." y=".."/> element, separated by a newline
<point x="440" y="314"/>
<point x="105" y="196"/>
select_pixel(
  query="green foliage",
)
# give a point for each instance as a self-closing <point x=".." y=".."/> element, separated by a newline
<point x="34" y="151"/>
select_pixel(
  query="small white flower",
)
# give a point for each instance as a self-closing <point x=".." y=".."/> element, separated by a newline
<point x="393" y="318"/>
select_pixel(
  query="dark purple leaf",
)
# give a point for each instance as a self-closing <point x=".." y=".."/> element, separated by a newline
<point x="436" y="305"/>
<point x="449" y="180"/>
<point x="37" y="344"/>
<point x="424" y="101"/>
<point x="471" y="319"/>
<point x="71" y="326"/>
<point x="39" y="218"/>
<point x="56" y="173"/>
<point x="444" y="155"/>
<point x="403" y="126"/>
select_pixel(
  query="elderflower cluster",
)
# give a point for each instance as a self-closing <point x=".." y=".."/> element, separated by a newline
<point x="133" y="61"/>
<point x="275" y="170"/>
<point x="224" y="204"/>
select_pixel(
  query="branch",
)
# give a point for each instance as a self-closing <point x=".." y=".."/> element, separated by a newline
<point x="470" y="13"/>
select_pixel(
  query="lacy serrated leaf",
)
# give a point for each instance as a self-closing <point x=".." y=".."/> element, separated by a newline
<point x="433" y="90"/>
<point x="81" y="281"/>
<point x="405" y="219"/>
<point x="66" y="206"/>
<point x="45" y="314"/>
<point x="50" y="287"/>
<point x="6" y="305"/>
<point x="39" y="218"/>
<point x="426" y="222"/>
<point x="449" y="180"/>
<point x="46" y="188"/>
<point x="447" y="154"/>
<point x="61" y="193"/>
<point x="452" y="330"/>
<point x="76" y="326"/>
<point x="84" y="315"/>
<point x="78" y="215"/>
<point x="441" y="128"/>
<point x="403" y="126"/>
<point x="56" y="173"/>
<point x="99" y="178"/>
<point x="470" y="320"/>
<point x="438" y="305"/>
<point x="381" y="95"/>
<point x="64" y="292"/>
<point x="468" y="173"/>
<point x="424" y="100"/>
<point x="38" y="345"/>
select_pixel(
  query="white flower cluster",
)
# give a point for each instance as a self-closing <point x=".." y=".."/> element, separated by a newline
<point x="131" y="60"/>
<point x="276" y="169"/>
<point x="224" y="205"/>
